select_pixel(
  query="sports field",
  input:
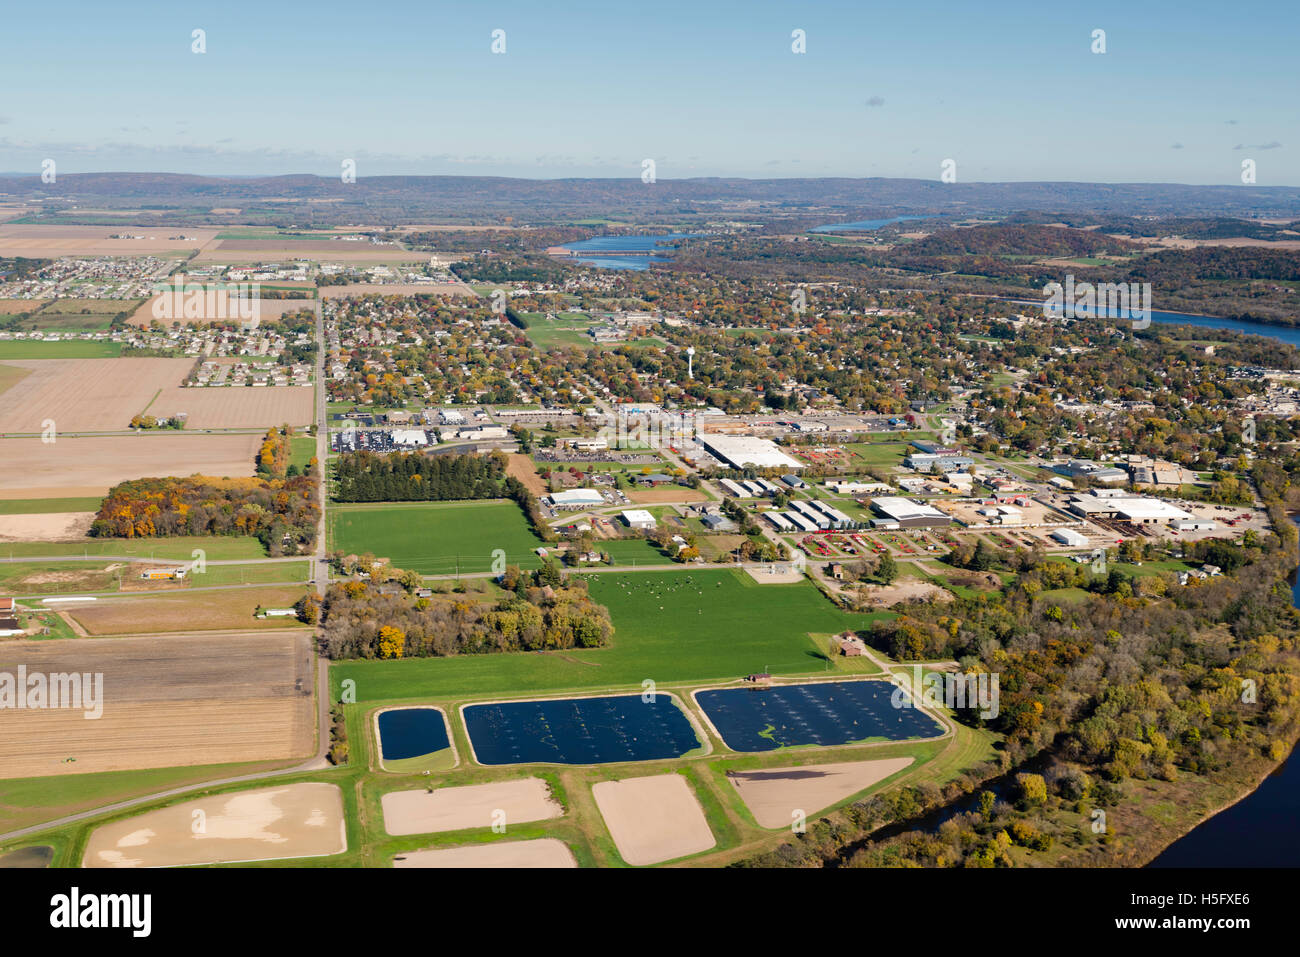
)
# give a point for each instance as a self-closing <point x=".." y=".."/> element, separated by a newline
<point x="675" y="626"/>
<point x="436" y="538"/>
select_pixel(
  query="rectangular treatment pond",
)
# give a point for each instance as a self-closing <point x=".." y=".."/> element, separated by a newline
<point x="414" y="739"/>
<point x="821" y="713"/>
<point x="597" y="730"/>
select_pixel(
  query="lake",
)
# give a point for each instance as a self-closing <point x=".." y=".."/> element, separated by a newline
<point x="865" y="225"/>
<point x="822" y="713"/>
<point x="625" y="245"/>
<point x="580" y="730"/>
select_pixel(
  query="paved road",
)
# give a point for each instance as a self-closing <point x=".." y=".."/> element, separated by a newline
<point x="321" y="570"/>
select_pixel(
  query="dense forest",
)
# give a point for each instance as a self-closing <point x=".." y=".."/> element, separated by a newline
<point x="281" y="513"/>
<point x="408" y="477"/>
<point x="541" y="611"/>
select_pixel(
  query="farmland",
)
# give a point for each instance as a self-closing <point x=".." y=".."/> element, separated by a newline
<point x="217" y="610"/>
<point x="679" y="626"/>
<point x="236" y="408"/>
<point x="84" y="466"/>
<point x="183" y="701"/>
<point x="108" y="392"/>
<point x="179" y="548"/>
<point x="436" y="538"/>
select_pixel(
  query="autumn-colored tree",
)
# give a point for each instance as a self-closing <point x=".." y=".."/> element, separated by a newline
<point x="392" y="642"/>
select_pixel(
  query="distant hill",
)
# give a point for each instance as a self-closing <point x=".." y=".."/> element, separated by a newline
<point x="305" y="200"/>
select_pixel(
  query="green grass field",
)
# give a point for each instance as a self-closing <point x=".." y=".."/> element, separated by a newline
<point x="301" y="450"/>
<point x="436" y="538"/>
<point x="180" y="548"/>
<point x="696" y="625"/>
<point x="46" y="506"/>
<point x="74" y="349"/>
<point x="260" y="573"/>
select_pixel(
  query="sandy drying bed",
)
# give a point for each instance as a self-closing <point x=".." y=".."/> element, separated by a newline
<point x="85" y="395"/>
<point x="544" y="852"/>
<point x="454" y="809"/>
<point x="50" y="527"/>
<point x="93" y="464"/>
<point x="166" y="702"/>
<point x="775" y="573"/>
<point x="653" y="819"/>
<point x="297" y="820"/>
<point x="773" y="796"/>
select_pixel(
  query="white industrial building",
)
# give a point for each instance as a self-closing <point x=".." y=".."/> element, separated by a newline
<point x="747" y="451"/>
<point x="801" y="521"/>
<point x="901" y="512"/>
<point x="1070" y="538"/>
<point x="409" y="438"/>
<point x="779" y="521"/>
<point x="735" y="488"/>
<point x="576" y="498"/>
<point x="639" y="518"/>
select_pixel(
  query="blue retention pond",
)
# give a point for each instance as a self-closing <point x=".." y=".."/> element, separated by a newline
<point x="580" y="730"/>
<point x="823" y="713"/>
<point x="411" y="733"/>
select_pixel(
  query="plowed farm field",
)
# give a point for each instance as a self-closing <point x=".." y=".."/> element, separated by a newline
<point x="91" y="465"/>
<point x="165" y="702"/>
<point x="85" y="395"/>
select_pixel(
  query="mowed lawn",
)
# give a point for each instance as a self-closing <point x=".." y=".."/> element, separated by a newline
<point x="436" y="538"/>
<point x="697" y="625"/>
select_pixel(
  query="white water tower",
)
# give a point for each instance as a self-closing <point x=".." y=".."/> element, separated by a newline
<point x="690" y="362"/>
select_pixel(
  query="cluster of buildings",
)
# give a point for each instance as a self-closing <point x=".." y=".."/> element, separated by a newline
<point x="813" y="515"/>
<point x="95" y="277"/>
<point x="238" y="373"/>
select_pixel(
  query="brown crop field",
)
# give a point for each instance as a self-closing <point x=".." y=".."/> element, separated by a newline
<point x="269" y="309"/>
<point x="165" y="702"/>
<point x="12" y="307"/>
<point x="237" y="407"/>
<point x="51" y="242"/>
<point x="91" y="465"/>
<point x="220" y="609"/>
<point x="85" y="395"/>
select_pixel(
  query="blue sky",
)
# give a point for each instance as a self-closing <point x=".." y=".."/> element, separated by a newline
<point x="1010" y="90"/>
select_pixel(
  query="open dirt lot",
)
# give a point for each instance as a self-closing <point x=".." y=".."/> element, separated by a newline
<point x="889" y="595"/>
<point x="51" y="242"/>
<point x="268" y="309"/>
<point x="167" y="702"/>
<point x="454" y="809"/>
<point x="653" y="819"/>
<point x="774" y="795"/>
<point x="521" y="467"/>
<point x="221" y="609"/>
<point x="85" y="395"/>
<point x="94" y="464"/>
<point x="544" y="852"/>
<point x="50" y="527"/>
<point x="296" y="820"/>
<point x="246" y="407"/>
